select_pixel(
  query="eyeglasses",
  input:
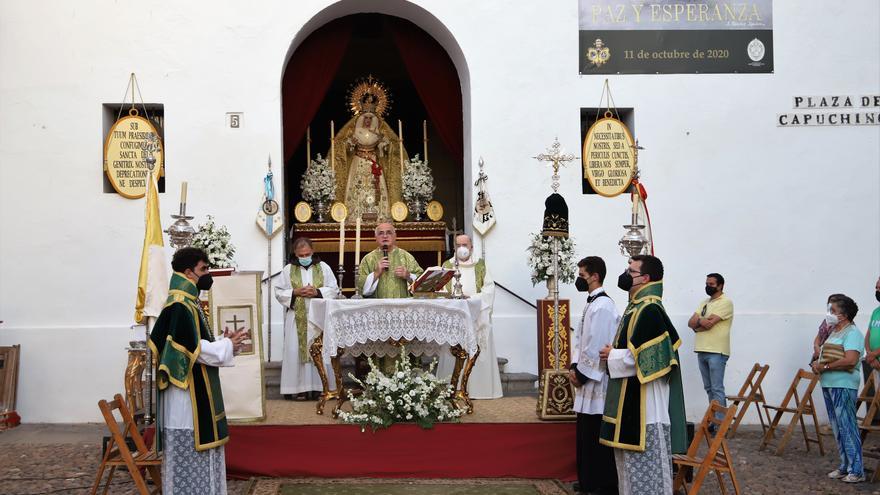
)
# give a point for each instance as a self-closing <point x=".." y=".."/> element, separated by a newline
<point x="384" y="232"/>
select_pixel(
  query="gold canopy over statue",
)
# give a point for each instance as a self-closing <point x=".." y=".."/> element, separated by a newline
<point x="369" y="155"/>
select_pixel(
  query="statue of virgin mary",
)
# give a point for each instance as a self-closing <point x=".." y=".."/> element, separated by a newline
<point x="368" y="151"/>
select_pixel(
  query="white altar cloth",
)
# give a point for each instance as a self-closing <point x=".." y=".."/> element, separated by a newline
<point x="363" y="326"/>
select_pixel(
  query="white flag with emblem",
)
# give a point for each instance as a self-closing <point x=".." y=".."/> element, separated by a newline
<point x="484" y="213"/>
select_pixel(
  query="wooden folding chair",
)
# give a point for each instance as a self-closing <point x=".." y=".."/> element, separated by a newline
<point x="717" y="457"/>
<point x="798" y="406"/>
<point x="750" y="393"/>
<point x="870" y="396"/>
<point x="118" y="454"/>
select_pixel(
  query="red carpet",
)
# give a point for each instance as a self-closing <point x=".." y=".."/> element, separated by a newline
<point x="475" y="450"/>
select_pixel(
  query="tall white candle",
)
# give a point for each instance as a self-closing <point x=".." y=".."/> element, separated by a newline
<point x="357" y="240"/>
<point x="341" y="242"/>
<point x="183" y="192"/>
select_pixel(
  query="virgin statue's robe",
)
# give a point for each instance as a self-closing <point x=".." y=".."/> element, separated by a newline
<point x="357" y="145"/>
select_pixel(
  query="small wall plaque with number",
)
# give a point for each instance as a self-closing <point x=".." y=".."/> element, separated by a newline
<point x="234" y="119"/>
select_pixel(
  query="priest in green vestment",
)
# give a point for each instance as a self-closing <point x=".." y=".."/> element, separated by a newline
<point x="191" y="418"/>
<point x="387" y="271"/>
<point x="644" y="404"/>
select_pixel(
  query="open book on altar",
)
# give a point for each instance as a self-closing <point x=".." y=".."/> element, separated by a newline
<point x="433" y="280"/>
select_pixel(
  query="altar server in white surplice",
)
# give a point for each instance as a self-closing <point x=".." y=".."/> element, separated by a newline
<point x="306" y="277"/>
<point x="485" y="379"/>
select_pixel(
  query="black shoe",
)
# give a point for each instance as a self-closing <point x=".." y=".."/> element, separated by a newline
<point x="288" y="396"/>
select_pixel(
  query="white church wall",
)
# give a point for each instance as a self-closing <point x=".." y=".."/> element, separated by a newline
<point x="788" y="215"/>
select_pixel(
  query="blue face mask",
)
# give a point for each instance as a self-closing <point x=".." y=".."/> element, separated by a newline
<point x="305" y="261"/>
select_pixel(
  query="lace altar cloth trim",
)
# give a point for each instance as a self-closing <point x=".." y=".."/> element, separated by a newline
<point x="363" y="327"/>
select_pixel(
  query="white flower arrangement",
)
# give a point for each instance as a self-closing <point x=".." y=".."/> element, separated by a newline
<point x="418" y="184"/>
<point x="406" y="395"/>
<point x="319" y="181"/>
<point x="215" y="242"/>
<point x="541" y="259"/>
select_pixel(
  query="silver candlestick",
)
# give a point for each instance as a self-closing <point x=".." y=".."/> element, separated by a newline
<point x="457" y="292"/>
<point x="357" y="290"/>
<point x="339" y="273"/>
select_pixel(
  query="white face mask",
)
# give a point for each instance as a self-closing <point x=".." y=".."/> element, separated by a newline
<point x="463" y="253"/>
<point x="831" y="319"/>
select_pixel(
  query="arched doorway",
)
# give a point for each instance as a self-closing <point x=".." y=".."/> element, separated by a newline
<point x="422" y="78"/>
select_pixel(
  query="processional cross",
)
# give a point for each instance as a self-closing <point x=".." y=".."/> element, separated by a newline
<point x="557" y="159"/>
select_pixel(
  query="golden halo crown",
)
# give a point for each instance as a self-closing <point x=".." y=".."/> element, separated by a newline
<point x="369" y="95"/>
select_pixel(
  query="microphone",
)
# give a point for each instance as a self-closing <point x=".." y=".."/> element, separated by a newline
<point x="384" y="250"/>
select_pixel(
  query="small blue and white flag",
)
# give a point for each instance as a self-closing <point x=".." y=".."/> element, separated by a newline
<point x="269" y="217"/>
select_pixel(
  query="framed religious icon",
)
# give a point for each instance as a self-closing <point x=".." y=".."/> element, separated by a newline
<point x="435" y="211"/>
<point x="302" y="212"/>
<point x="399" y="211"/>
<point x="234" y="319"/>
<point x="338" y="212"/>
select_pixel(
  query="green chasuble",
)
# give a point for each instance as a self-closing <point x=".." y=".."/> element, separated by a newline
<point x="390" y="286"/>
<point x="301" y="307"/>
<point x="175" y="343"/>
<point x="647" y="332"/>
<point x="479" y="274"/>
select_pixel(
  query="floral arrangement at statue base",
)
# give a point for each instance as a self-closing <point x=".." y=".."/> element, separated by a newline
<point x="407" y="395"/>
<point x="215" y="241"/>
<point x="318" y="186"/>
<point x="418" y="186"/>
<point x="541" y="259"/>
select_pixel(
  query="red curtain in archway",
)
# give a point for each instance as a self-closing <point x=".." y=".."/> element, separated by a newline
<point x="434" y="76"/>
<point x="307" y="78"/>
<point x="316" y="61"/>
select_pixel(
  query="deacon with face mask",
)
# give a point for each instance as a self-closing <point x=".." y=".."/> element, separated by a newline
<point x="711" y="322"/>
<point x="192" y="420"/>
<point x="485" y="379"/>
<point x="644" y="403"/>
<point x="304" y="278"/>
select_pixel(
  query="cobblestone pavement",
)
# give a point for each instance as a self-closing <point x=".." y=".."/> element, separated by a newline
<point x="43" y="459"/>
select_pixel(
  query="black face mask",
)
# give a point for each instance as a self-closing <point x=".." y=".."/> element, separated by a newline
<point x="877" y="295"/>
<point x="205" y="282"/>
<point x="581" y="285"/>
<point x="710" y="291"/>
<point x="625" y="281"/>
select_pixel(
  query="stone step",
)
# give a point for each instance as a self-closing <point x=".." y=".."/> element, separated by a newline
<point x="512" y="384"/>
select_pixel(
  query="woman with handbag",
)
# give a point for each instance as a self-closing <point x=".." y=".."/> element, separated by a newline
<point x="839" y="376"/>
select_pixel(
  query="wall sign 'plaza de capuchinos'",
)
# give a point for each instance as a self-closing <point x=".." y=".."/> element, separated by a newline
<point x="124" y="161"/>
<point x="608" y="157"/>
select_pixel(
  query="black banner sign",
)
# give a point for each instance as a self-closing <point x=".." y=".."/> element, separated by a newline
<point x="668" y="37"/>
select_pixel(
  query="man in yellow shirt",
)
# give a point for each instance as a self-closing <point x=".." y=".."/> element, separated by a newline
<point x="711" y="322"/>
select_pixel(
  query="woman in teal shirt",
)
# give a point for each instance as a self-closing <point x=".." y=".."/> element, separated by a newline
<point x="840" y="384"/>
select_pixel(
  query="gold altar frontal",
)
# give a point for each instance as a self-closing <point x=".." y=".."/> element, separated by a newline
<point x="426" y="241"/>
<point x="504" y="410"/>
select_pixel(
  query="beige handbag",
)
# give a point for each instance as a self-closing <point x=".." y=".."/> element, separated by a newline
<point x="831" y="353"/>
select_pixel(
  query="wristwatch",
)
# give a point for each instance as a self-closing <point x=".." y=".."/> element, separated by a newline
<point x="826" y="367"/>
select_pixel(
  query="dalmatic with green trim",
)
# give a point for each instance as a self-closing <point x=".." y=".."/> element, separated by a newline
<point x="647" y="332"/>
<point x="175" y="339"/>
